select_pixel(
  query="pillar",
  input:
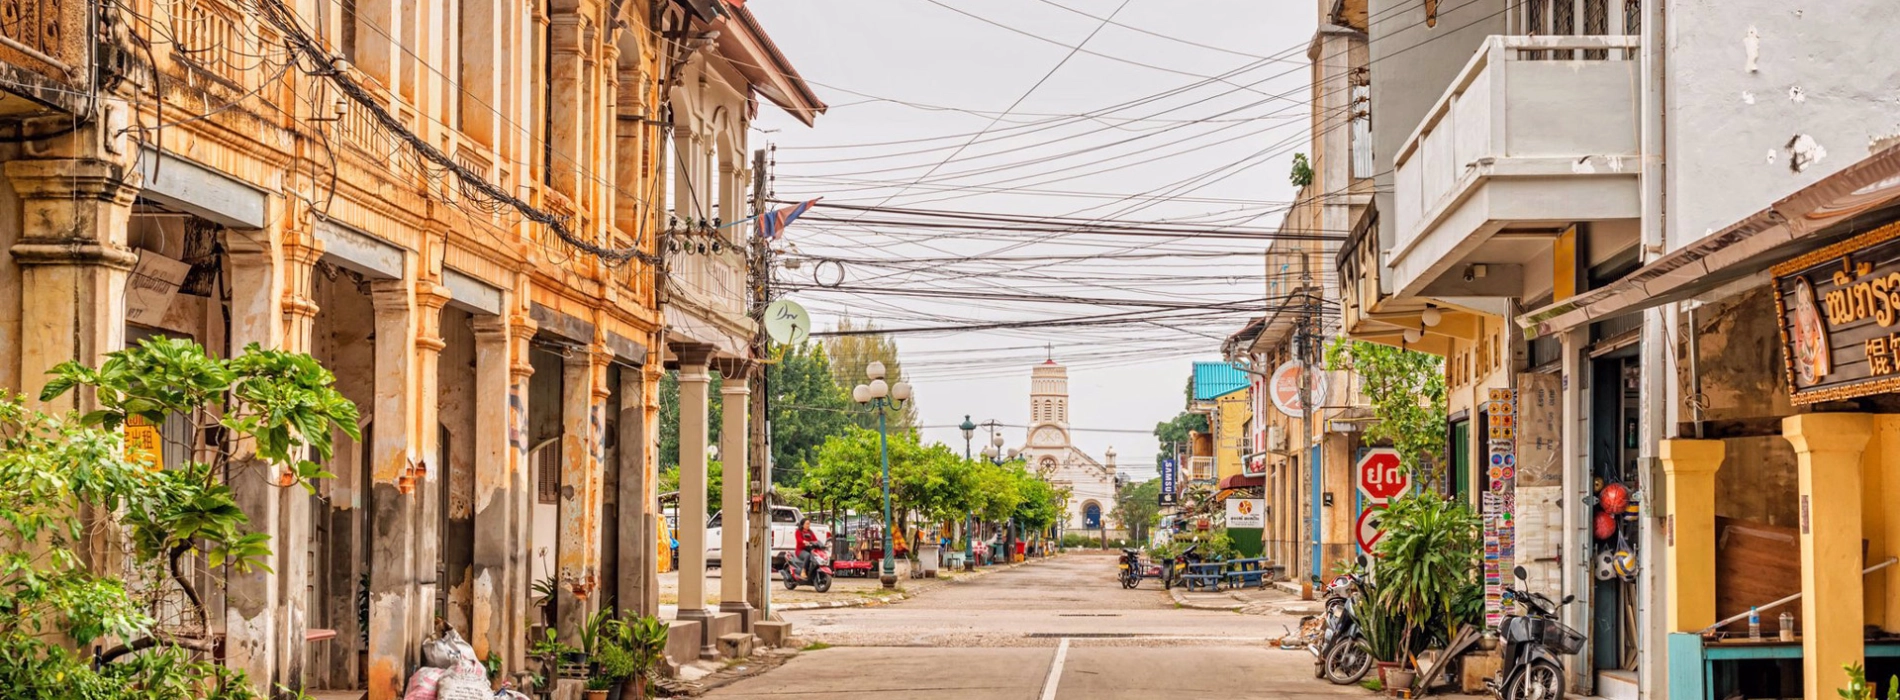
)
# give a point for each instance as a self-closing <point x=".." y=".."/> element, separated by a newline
<point x="500" y="604"/>
<point x="693" y="381"/>
<point x="253" y="637"/>
<point x="735" y="392"/>
<point x="1689" y="468"/>
<point x="520" y="569"/>
<point x="577" y="545"/>
<point x="1828" y="448"/>
<point x="1882" y="529"/>
<point x="393" y="474"/>
<point x="73" y="266"/>
<point x="638" y="571"/>
<point x="430" y="298"/>
<point x="295" y="540"/>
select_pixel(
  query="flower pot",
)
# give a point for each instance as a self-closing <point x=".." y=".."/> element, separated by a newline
<point x="1384" y="668"/>
<point x="596" y="695"/>
<point x="1400" y="680"/>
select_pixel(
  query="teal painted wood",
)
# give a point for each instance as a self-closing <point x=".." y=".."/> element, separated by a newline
<point x="1687" y="670"/>
<point x="1692" y="672"/>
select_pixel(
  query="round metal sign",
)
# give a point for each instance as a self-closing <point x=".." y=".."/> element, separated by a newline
<point x="1284" y="386"/>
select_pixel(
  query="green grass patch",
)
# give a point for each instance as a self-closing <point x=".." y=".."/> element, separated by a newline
<point x="1372" y="684"/>
<point x="815" y="646"/>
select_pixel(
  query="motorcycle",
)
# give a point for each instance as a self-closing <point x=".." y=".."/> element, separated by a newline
<point x="817" y="574"/>
<point x="1130" y="574"/>
<point x="1341" y="650"/>
<point x="1174" y="571"/>
<point x="1532" y="641"/>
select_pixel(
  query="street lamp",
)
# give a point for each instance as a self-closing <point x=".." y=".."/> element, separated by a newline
<point x="995" y="453"/>
<point x="882" y="397"/>
<point x="969" y="520"/>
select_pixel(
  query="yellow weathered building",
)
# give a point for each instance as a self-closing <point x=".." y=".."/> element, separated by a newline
<point x="461" y="209"/>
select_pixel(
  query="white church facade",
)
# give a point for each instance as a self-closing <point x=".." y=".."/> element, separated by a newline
<point x="1052" y="454"/>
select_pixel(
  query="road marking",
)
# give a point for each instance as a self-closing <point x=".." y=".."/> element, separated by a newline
<point x="1055" y="670"/>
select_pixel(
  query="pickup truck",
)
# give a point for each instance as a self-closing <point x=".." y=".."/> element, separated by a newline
<point x="784" y="536"/>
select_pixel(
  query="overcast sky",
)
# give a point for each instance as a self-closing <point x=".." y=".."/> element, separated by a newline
<point x="940" y="108"/>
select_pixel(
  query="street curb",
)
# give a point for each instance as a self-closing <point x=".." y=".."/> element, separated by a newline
<point x="1181" y="601"/>
<point x="917" y="590"/>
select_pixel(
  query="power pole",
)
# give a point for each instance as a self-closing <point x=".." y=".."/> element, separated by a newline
<point x="758" y="544"/>
<point x="1305" y="349"/>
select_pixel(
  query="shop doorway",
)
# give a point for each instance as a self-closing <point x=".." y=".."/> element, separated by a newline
<point x="1615" y="439"/>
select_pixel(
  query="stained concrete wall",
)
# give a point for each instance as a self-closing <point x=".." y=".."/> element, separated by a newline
<point x="455" y="405"/>
<point x="342" y="340"/>
<point x="1412" y="65"/>
<point x="1746" y="78"/>
<point x="544" y="424"/>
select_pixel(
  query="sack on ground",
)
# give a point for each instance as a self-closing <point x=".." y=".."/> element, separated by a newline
<point x="467" y="681"/>
<point x="443" y="650"/>
<point x="422" y="685"/>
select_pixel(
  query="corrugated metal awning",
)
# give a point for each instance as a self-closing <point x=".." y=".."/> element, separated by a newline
<point x="1848" y="202"/>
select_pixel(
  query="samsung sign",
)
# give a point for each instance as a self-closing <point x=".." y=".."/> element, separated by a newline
<point x="1168" y="473"/>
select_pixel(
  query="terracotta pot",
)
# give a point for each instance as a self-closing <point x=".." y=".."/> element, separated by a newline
<point x="596" y="695"/>
<point x="1384" y="667"/>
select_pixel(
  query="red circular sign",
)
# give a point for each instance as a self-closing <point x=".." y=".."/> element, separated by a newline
<point x="1380" y="475"/>
<point x="1367" y="531"/>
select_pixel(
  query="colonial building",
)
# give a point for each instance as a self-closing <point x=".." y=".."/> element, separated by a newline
<point x="458" y="208"/>
<point x="1051" y="451"/>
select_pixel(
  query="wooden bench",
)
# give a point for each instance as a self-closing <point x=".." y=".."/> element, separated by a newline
<point x="1249" y="573"/>
<point x="1203" y="576"/>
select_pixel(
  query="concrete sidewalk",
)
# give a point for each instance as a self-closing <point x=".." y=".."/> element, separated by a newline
<point x="1270" y="600"/>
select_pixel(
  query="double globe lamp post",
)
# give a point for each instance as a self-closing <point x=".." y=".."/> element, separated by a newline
<point x="882" y="397"/>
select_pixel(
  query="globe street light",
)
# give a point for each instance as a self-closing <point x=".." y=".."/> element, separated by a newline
<point x="882" y="397"/>
<point x="969" y="520"/>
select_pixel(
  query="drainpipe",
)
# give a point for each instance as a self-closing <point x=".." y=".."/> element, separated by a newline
<point x="1659" y="390"/>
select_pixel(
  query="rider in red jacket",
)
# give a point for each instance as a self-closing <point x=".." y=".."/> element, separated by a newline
<point x="807" y="542"/>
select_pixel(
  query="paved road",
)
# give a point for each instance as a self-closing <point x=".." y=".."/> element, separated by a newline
<point x="1056" y="630"/>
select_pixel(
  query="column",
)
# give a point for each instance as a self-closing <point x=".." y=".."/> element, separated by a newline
<point x="650" y="446"/>
<point x="638" y="571"/>
<point x="520" y="569"/>
<point x="577" y="545"/>
<point x="566" y="132"/>
<point x="294" y="536"/>
<point x="1828" y="448"/>
<point x="1881" y="469"/>
<point x="73" y="263"/>
<point x="694" y="379"/>
<point x="393" y="472"/>
<point x="252" y="598"/>
<point x="1689" y="468"/>
<point x="426" y="529"/>
<point x="735" y="393"/>
<point x="499" y="602"/>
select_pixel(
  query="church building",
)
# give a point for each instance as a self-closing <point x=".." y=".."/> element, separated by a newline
<point x="1052" y="453"/>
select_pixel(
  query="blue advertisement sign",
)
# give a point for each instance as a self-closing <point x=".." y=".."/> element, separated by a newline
<point x="1168" y="472"/>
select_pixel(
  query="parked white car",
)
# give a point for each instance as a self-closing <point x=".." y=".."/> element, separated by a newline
<point x="784" y="534"/>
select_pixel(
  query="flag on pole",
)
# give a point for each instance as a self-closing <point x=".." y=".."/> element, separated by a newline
<point x="772" y="224"/>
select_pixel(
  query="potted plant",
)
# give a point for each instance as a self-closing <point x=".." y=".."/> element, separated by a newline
<point x="1426" y="564"/>
<point x="626" y="652"/>
<point x="1384" y="631"/>
<point x="559" y="659"/>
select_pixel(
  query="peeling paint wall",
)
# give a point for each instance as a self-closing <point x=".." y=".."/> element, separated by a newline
<point x="1742" y="388"/>
<point x="456" y="403"/>
<point x="1768" y="96"/>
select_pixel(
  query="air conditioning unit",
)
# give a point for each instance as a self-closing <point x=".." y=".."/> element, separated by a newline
<point x="1276" y="439"/>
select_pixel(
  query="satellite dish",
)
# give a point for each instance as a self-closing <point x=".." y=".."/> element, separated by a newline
<point x="787" y="323"/>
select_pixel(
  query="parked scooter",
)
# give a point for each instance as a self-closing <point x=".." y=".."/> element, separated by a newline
<point x="1174" y="572"/>
<point x="1130" y="574"/>
<point x="1342" y="654"/>
<point x="1532" y="641"/>
<point x="817" y="574"/>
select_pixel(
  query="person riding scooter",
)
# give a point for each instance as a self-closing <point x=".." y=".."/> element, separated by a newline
<point x="807" y="542"/>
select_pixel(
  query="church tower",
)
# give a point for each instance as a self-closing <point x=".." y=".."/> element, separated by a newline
<point x="1049" y="395"/>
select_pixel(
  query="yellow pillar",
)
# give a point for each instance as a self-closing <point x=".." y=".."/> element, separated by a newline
<point x="1689" y="556"/>
<point x="1828" y="447"/>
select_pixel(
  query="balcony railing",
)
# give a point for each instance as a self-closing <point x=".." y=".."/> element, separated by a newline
<point x="1551" y="109"/>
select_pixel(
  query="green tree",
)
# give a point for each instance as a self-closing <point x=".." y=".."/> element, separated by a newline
<point x="1174" y="433"/>
<point x="715" y="482"/>
<point x="1407" y="391"/>
<point x="807" y="407"/>
<point x="1138" y="507"/>
<point x="850" y="353"/>
<point x="64" y="480"/>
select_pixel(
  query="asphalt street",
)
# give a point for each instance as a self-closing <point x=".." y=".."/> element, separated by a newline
<point x="1060" y="629"/>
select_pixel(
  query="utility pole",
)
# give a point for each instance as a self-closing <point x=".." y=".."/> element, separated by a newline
<point x="1304" y="338"/>
<point x="759" y="275"/>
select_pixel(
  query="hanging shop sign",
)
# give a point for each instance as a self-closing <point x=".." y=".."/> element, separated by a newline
<point x="1168" y="473"/>
<point x="1839" y="313"/>
<point x="1284" y="387"/>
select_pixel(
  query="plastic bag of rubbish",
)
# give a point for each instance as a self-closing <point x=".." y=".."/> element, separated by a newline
<point x="423" y="685"/>
<point x="467" y="681"/>
<point x="443" y="650"/>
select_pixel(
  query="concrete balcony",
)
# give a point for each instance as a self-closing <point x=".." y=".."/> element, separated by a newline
<point x="1536" y="134"/>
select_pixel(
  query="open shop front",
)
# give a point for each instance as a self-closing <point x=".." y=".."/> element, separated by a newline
<point x="1784" y="448"/>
